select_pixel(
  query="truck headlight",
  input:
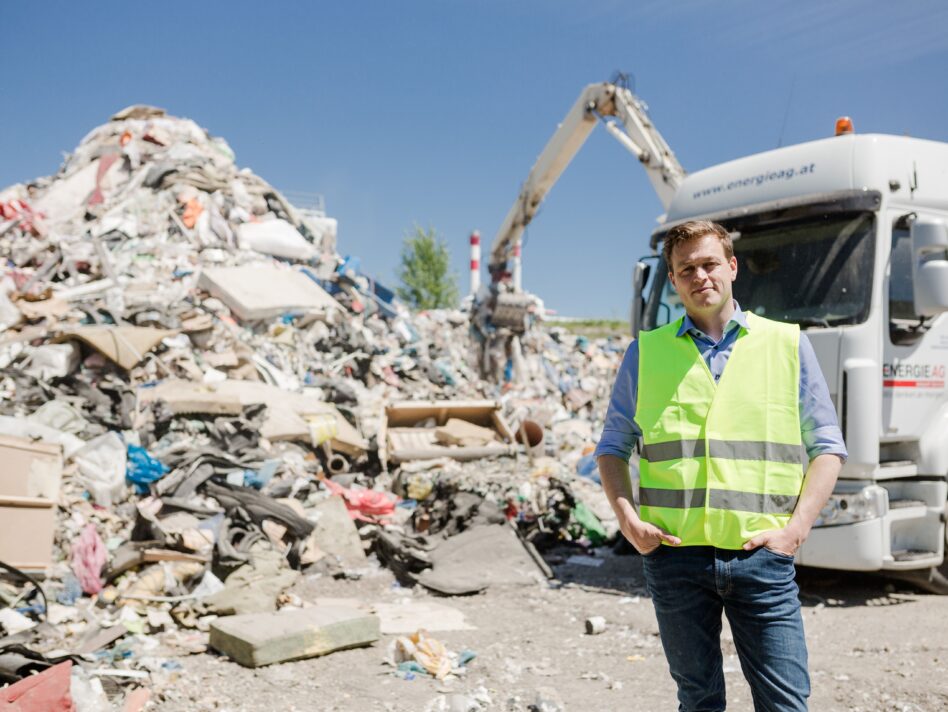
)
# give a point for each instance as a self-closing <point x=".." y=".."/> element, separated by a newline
<point x="870" y="502"/>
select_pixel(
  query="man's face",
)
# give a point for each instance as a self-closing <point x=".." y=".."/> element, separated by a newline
<point x="702" y="274"/>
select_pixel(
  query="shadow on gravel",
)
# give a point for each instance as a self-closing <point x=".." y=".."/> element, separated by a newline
<point x="603" y="570"/>
<point x="600" y="570"/>
<point x="852" y="588"/>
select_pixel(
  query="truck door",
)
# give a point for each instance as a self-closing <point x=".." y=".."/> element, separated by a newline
<point x="915" y="359"/>
<point x="654" y="300"/>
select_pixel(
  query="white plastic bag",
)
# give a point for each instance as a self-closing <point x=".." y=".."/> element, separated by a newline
<point x="275" y="237"/>
<point x="101" y="466"/>
<point x="53" y="361"/>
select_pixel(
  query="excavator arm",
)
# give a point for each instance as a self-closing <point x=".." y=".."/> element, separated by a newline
<point x="625" y="117"/>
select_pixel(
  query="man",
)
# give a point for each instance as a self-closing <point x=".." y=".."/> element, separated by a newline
<point x="730" y="407"/>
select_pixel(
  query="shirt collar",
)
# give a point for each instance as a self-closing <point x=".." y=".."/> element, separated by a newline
<point x="738" y="318"/>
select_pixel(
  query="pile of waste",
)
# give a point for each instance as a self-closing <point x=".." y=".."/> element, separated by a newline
<point x="200" y="398"/>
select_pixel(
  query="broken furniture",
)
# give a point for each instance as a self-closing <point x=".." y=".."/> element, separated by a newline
<point x="424" y="430"/>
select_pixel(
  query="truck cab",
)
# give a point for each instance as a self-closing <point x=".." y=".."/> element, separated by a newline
<point x="847" y="237"/>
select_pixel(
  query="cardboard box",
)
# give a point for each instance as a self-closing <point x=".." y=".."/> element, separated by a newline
<point x="404" y="441"/>
<point x="29" y="489"/>
<point x="30" y="469"/>
<point x="26" y="532"/>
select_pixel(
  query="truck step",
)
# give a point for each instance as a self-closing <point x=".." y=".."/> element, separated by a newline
<point x="912" y="554"/>
<point x="893" y="469"/>
<point x="903" y="503"/>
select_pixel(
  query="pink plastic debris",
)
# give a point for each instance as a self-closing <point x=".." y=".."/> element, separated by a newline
<point x="104" y="164"/>
<point x="47" y="691"/>
<point x="30" y="221"/>
<point x="88" y="557"/>
<point x="364" y="504"/>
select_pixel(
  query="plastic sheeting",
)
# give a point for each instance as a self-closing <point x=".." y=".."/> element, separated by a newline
<point x="102" y="467"/>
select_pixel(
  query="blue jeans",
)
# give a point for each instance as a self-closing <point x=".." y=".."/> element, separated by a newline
<point x="691" y="585"/>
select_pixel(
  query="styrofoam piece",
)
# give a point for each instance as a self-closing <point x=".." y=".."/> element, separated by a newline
<point x="324" y="230"/>
<point x="255" y="292"/>
<point x="52" y="361"/>
<point x="66" y="197"/>
<point x="275" y="237"/>
<point x="26" y="428"/>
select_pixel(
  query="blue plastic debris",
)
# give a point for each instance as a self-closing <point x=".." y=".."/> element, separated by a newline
<point x="259" y="478"/>
<point x="409" y="669"/>
<point x="37" y="609"/>
<point x="349" y="271"/>
<point x="142" y="469"/>
<point x="121" y="651"/>
<point x="350" y="265"/>
<point x="328" y="284"/>
<point x="71" y="590"/>
<point x="446" y="370"/>
<point x="588" y="468"/>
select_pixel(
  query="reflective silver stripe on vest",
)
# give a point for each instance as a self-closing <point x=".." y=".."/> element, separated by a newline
<point x="727" y="450"/>
<point x="756" y="450"/>
<point x="675" y="499"/>
<point x="720" y="499"/>
<point x="753" y="502"/>
<point x="673" y="450"/>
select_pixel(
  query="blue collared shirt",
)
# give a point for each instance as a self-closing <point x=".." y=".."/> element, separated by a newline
<point x="819" y="427"/>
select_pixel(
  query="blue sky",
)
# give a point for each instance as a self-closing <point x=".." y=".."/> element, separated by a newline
<point x="433" y="112"/>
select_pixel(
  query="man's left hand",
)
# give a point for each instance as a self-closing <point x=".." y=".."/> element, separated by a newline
<point x="784" y="541"/>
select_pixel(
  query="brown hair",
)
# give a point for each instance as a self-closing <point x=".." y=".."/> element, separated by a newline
<point x="692" y="230"/>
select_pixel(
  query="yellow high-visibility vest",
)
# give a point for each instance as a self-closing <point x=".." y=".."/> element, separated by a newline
<point x="721" y="462"/>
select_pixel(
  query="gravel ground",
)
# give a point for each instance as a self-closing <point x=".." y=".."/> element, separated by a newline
<point x="874" y="645"/>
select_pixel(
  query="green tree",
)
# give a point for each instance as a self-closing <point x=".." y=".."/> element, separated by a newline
<point x="427" y="282"/>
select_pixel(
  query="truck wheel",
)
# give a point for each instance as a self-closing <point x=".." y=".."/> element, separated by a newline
<point x="931" y="580"/>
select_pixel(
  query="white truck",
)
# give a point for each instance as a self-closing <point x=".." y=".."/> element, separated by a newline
<point x="847" y="236"/>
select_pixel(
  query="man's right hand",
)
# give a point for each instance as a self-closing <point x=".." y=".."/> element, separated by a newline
<point x="617" y="485"/>
<point x="645" y="537"/>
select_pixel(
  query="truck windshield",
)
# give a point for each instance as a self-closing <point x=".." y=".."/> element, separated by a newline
<point x="815" y="272"/>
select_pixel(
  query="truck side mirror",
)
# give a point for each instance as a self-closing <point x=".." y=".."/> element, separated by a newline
<point x="930" y="266"/>
<point x="640" y="275"/>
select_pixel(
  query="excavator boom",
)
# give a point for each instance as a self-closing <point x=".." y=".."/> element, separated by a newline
<point x="626" y="118"/>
